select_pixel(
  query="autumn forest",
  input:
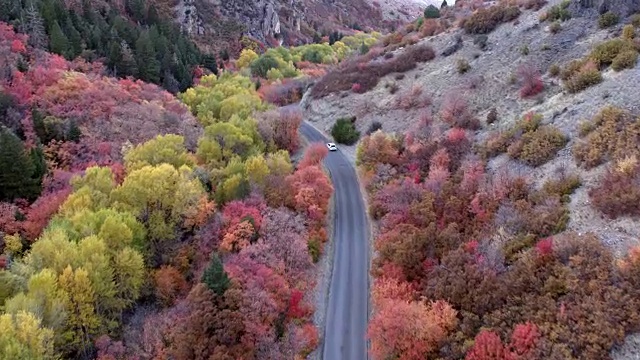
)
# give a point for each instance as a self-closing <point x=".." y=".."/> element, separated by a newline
<point x="157" y="201"/>
<point x="193" y="236"/>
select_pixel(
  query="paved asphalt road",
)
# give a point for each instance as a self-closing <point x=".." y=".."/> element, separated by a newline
<point x="348" y="308"/>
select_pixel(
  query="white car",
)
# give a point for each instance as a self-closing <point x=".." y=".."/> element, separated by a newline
<point x="332" y="147"/>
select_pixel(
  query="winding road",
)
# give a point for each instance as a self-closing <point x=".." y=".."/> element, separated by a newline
<point x="348" y="306"/>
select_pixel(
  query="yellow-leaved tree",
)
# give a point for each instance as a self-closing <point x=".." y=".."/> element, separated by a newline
<point x="161" y="197"/>
<point x="22" y="337"/>
<point x="162" y="149"/>
<point x="82" y="322"/>
<point x="247" y="56"/>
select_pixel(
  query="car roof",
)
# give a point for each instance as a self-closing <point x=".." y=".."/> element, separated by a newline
<point x="331" y="144"/>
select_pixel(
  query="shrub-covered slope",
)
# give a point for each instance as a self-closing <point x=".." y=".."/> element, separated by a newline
<point x="504" y="180"/>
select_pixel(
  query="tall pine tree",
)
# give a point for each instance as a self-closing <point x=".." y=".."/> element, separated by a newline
<point x="148" y="64"/>
<point x="127" y="65"/>
<point x="20" y="172"/>
<point x="215" y="277"/>
<point x="59" y="43"/>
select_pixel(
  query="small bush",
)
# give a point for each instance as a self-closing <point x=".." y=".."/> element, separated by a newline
<point x="604" y="53"/>
<point x="455" y="111"/>
<point x="613" y="134"/>
<point x="514" y="248"/>
<point x="417" y="54"/>
<point x="524" y="50"/>
<point x="263" y="64"/>
<point x="625" y="60"/>
<point x="571" y="69"/>
<point x="539" y="146"/>
<point x="554" y="70"/>
<point x="635" y="20"/>
<point x="284" y="93"/>
<point x="274" y="74"/>
<point x="581" y="75"/>
<point x="492" y="116"/>
<point x="628" y="32"/>
<point x="375" y="126"/>
<point x="431" y="12"/>
<point x="486" y="20"/>
<point x="481" y="41"/>
<point x="534" y="5"/>
<point x="344" y="131"/>
<point x="563" y="185"/>
<point x="619" y="192"/>
<point x="527" y="141"/>
<point x="315" y="249"/>
<point x="555" y="27"/>
<point x="531" y="82"/>
<point x="608" y="19"/>
<point x="463" y="66"/>
<point x="414" y="98"/>
<point x="559" y="12"/>
<point x="356" y="88"/>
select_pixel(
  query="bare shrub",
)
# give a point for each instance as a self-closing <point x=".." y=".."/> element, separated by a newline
<point x="455" y="111"/>
<point x="414" y="98"/>
<point x="531" y="81"/>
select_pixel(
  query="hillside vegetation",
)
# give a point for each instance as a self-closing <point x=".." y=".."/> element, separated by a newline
<point x="132" y="39"/>
<point x="137" y="225"/>
<point x="502" y="174"/>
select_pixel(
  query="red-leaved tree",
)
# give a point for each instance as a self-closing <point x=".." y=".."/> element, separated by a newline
<point x="410" y="329"/>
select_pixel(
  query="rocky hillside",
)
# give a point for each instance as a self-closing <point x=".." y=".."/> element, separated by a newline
<point x="492" y="79"/>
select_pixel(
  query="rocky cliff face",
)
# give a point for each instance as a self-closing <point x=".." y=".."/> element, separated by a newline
<point x="261" y="17"/>
<point x="291" y="21"/>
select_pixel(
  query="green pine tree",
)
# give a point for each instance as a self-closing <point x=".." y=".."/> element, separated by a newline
<point x="39" y="169"/>
<point x="431" y="12"/>
<point x="364" y="48"/>
<point x="136" y="9"/>
<point x="59" y="43"/>
<point x="114" y="57"/>
<point x="127" y="65"/>
<point x="20" y="172"/>
<point x="148" y="65"/>
<point x="74" y="132"/>
<point x="224" y="55"/>
<point x="75" y="40"/>
<point x="209" y="62"/>
<point x="215" y="277"/>
<point x="39" y="126"/>
<point x="153" y="17"/>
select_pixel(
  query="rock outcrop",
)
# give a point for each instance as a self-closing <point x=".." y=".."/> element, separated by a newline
<point x="620" y="7"/>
